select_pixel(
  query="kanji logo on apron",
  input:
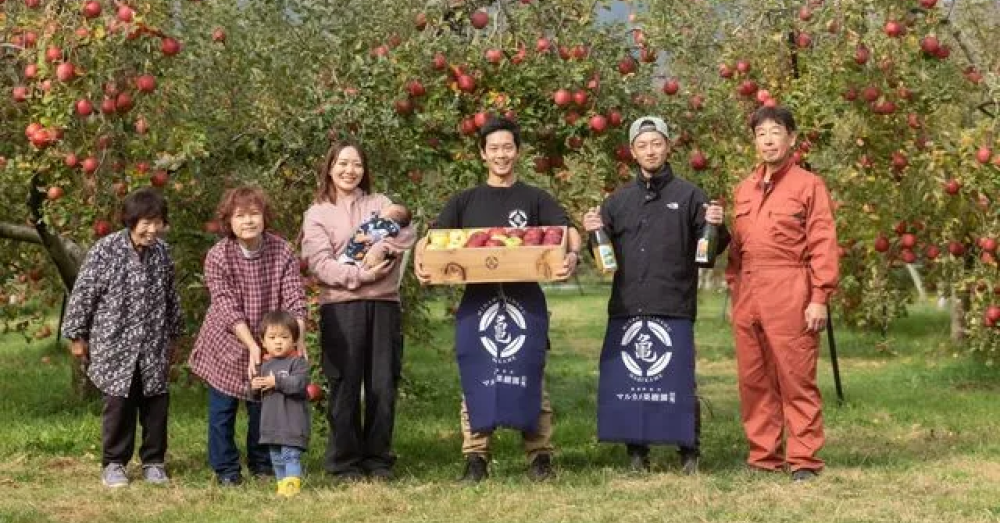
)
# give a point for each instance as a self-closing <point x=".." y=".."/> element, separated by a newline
<point x="500" y="341"/>
<point x="646" y="391"/>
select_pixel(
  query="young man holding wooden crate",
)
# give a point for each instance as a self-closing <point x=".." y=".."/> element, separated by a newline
<point x="501" y="336"/>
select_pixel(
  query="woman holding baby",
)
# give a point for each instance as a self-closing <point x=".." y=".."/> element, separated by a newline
<point x="353" y="240"/>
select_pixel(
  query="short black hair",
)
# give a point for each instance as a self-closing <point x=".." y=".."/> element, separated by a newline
<point x="280" y="318"/>
<point x="779" y="115"/>
<point x="146" y="203"/>
<point x="495" y="124"/>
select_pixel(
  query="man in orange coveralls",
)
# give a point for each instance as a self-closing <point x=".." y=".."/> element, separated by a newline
<point x="782" y="270"/>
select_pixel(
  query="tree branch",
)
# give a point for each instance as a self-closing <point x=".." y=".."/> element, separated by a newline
<point x="19" y="233"/>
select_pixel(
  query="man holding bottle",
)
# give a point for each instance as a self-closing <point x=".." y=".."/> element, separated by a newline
<point x="647" y="390"/>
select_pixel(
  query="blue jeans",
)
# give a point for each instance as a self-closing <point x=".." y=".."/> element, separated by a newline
<point x="223" y="456"/>
<point x="286" y="461"/>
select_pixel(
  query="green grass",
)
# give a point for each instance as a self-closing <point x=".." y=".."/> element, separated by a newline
<point x="916" y="440"/>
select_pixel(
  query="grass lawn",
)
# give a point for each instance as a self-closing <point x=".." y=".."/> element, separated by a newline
<point x="917" y="440"/>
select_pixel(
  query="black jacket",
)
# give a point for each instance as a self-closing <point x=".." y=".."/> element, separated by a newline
<point x="654" y="226"/>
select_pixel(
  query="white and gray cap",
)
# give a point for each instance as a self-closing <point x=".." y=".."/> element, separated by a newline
<point x="647" y="123"/>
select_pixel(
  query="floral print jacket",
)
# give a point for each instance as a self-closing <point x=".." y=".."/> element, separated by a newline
<point x="127" y="309"/>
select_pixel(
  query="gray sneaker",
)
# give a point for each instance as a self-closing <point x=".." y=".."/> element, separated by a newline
<point x="155" y="474"/>
<point x="113" y="476"/>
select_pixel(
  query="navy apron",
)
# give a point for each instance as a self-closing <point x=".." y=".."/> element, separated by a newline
<point x="646" y="393"/>
<point x="500" y="343"/>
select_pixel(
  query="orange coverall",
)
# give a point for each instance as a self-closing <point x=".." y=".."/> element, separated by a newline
<point x="782" y="257"/>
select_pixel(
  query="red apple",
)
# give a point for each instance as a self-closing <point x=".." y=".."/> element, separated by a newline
<point x="930" y="45"/>
<point x="83" y="107"/>
<point x="908" y="241"/>
<point x="671" y="86"/>
<point x="615" y="118"/>
<point x="219" y="35"/>
<point x="626" y="65"/>
<point x="803" y="40"/>
<point x="494" y="56"/>
<point x="983" y="155"/>
<point x="20" y="93"/>
<point x="479" y="19"/>
<point x="988" y="244"/>
<point x="861" y="54"/>
<point x="102" y="228"/>
<point x="870" y="93"/>
<point x="439" y="62"/>
<point x="562" y="97"/>
<point x="415" y="88"/>
<point x="952" y="186"/>
<point x="92" y="9"/>
<point x="748" y="88"/>
<point x="89" y="165"/>
<point x="125" y="13"/>
<point x="54" y="193"/>
<point x="907" y="256"/>
<point x="881" y="244"/>
<point x="698" y="160"/>
<point x="70" y="160"/>
<point x="580" y="98"/>
<point x="466" y="83"/>
<point x="108" y="106"/>
<point x="932" y="252"/>
<point x="53" y="54"/>
<point x="481" y="118"/>
<point x="403" y="107"/>
<point x="314" y="392"/>
<point x="805" y="14"/>
<point x="725" y="71"/>
<point x="146" y="83"/>
<point x="542" y="45"/>
<point x="468" y="126"/>
<point x="65" y="72"/>
<point x="31" y="71"/>
<point x="580" y="52"/>
<point x="123" y="102"/>
<point x="598" y="124"/>
<point x="159" y="178"/>
<point x="420" y="21"/>
<point x="494" y="243"/>
<point x="956" y="248"/>
<point x="928" y="4"/>
<point x="894" y="29"/>
<point x="899" y="161"/>
<point x="993" y="313"/>
<point x="542" y="165"/>
<point x="169" y="46"/>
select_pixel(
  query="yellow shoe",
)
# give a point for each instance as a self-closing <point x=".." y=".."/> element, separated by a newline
<point x="293" y="486"/>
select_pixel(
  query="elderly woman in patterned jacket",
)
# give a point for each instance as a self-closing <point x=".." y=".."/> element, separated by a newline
<point x="248" y="273"/>
<point x="122" y="318"/>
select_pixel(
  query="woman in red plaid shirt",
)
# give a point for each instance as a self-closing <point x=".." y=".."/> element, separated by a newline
<point x="248" y="273"/>
<point x="360" y="316"/>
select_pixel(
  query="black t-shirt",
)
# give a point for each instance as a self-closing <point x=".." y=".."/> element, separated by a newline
<point x="520" y="205"/>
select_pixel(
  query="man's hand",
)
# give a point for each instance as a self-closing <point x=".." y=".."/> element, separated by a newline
<point x="423" y="276"/>
<point x="592" y="220"/>
<point x="569" y="265"/>
<point x="714" y="213"/>
<point x="816" y="317"/>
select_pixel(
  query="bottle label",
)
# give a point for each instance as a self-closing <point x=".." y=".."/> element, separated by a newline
<point x="701" y="253"/>
<point x="606" y="258"/>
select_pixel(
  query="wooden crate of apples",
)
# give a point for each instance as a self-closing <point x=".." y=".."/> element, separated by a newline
<point x="498" y="254"/>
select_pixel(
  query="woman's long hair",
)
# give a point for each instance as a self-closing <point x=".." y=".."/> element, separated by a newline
<point x="326" y="192"/>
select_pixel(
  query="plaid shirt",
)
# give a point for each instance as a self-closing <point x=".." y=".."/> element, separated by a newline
<point x="242" y="290"/>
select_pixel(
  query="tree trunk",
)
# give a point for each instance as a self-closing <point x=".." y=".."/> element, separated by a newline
<point x="959" y="304"/>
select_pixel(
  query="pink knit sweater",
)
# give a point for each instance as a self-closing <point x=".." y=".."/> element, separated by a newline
<point x="327" y="228"/>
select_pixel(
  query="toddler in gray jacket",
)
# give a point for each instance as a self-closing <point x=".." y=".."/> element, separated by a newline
<point x="282" y="382"/>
